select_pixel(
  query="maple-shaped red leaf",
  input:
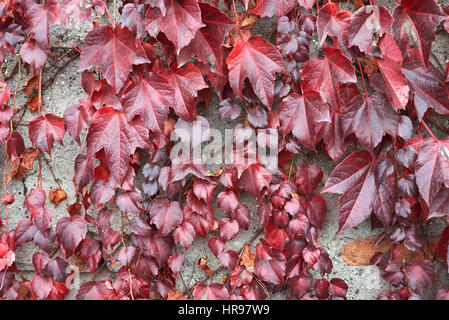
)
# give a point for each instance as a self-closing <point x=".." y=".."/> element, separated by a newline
<point x="334" y="137"/>
<point x="424" y="17"/>
<point x="366" y="21"/>
<point x="186" y="82"/>
<point x="323" y="74"/>
<point x="113" y="51"/>
<point x="432" y="168"/>
<point x="76" y="118"/>
<point x="390" y="67"/>
<point x="370" y="118"/>
<point x="149" y="97"/>
<point x="33" y="54"/>
<point x="386" y="191"/>
<point x="254" y="179"/>
<point x="357" y="179"/>
<point x="299" y="114"/>
<point x="40" y="17"/>
<point x="166" y="215"/>
<point x="428" y="86"/>
<point x="332" y="22"/>
<point x="208" y="41"/>
<point x="44" y="130"/>
<point x="180" y="23"/>
<point x="257" y="60"/>
<point x="268" y="8"/>
<point x="70" y="232"/>
<point x="111" y="131"/>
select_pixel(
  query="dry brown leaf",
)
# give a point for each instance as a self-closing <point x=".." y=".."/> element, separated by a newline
<point x="370" y="66"/>
<point x="247" y="258"/>
<point x="358" y="4"/>
<point x="176" y="295"/>
<point x="202" y="263"/>
<point x="57" y="196"/>
<point x="32" y="84"/>
<point x="33" y="103"/>
<point x="74" y="209"/>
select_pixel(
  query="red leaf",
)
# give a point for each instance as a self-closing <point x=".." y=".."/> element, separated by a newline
<point x="127" y="256"/>
<point x="308" y="4"/>
<point x="323" y="74"/>
<point x="214" y="291"/>
<point x="57" y="268"/>
<point x="89" y="252"/>
<point x="332" y="22"/>
<point x="217" y="245"/>
<point x="34" y="55"/>
<point x="42" y="217"/>
<point x="257" y="60"/>
<point x="228" y="228"/>
<point x="268" y="8"/>
<point x="354" y="179"/>
<point x="119" y="138"/>
<point x="84" y="170"/>
<point x="186" y="82"/>
<point x="40" y="18"/>
<point x="420" y="274"/>
<point x="94" y="290"/>
<point x="44" y="130"/>
<point x="184" y="235"/>
<point x="229" y="259"/>
<point x="35" y="199"/>
<point x="390" y="67"/>
<point x="370" y="118"/>
<point x="425" y="16"/>
<point x="113" y="51"/>
<point x="270" y="264"/>
<point x="428" y="86"/>
<point x="308" y="177"/>
<point x="208" y="41"/>
<point x="15" y="146"/>
<point x="149" y="97"/>
<point x="227" y="201"/>
<point x="432" y="168"/>
<point x="166" y="215"/>
<point x="42" y="286"/>
<point x="70" y="232"/>
<point x="76" y="118"/>
<point x="299" y="114"/>
<point x="365" y="22"/>
<point x="254" y="179"/>
<point x="180" y="23"/>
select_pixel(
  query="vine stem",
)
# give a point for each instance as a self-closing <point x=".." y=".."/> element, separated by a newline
<point x="363" y="78"/>
<point x="39" y="105"/>
<point x="428" y="130"/>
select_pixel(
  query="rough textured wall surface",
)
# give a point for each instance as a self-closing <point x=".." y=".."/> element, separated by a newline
<point x="63" y="88"/>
